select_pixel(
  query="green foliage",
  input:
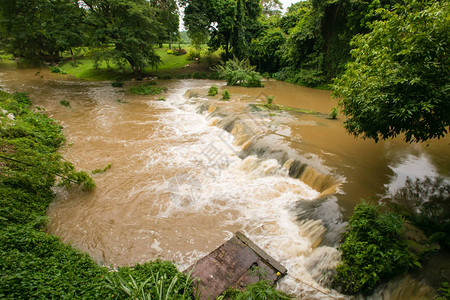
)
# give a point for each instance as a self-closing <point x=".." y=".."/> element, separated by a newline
<point x="147" y="89"/>
<point x="131" y="26"/>
<point x="179" y="51"/>
<point x="36" y="265"/>
<point x="154" y="280"/>
<point x="164" y="76"/>
<point x="261" y="290"/>
<point x="444" y="291"/>
<point x="193" y="55"/>
<point x="30" y="162"/>
<point x="169" y="51"/>
<point x="304" y="76"/>
<point x="167" y="15"/>
<point x="228" y="23"/>
<point x="426" y="205"/>
<point x="225" y="95"/>
<point x="372" y="249"/>
<point x="199" y="75"/>
<point x="56" y="69"/>
<point x="213" y="90"/>
<point x="265" y="50"/>
<point x="237" y="72"/>
<point x="107" y="167"/>
<point x="161" y="98"/>
<point x="398" y="81"/>
<point x="40" y="29"/>
<point x="334" y="113"/>
<point x="270" y="100"/>
<point x="64" y="103"/>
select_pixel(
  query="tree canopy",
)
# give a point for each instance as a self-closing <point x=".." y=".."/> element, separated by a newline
<point x="398" y="81"/>
<point x="230" y="24"/>
<point x="130" y="25"/>
<point x="40" y="29"/>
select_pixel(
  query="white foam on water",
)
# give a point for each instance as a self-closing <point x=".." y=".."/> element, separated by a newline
<point x="254" y="194"/>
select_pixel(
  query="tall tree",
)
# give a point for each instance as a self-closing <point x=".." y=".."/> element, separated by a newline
<point x="167" y="15"/>
<point x="229" y="23"/>
<point x="399" y="79"/>
<point x="40" y="29"/>
<point x="130" y="25"/>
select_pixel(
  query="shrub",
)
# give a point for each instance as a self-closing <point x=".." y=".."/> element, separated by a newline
<point x="56" y="69"/>
<point x="213" y="90"/>
<point x="241" y="73"/>
<point x="303" y="76"/>
<point x="153" y="280"/>
<point x="334" y="113"/>
<point x="169" y="51"/>
<point x="372" y="249"/>
<point x="64" y="102"/>
<point x="179" y="51"/>
<point x="270" y="100"/>
<point x="193" y="55"/>
<point x="225" y="95"/>
<point x="444" y="291"/>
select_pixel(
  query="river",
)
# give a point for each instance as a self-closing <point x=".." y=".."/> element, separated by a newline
<point x="190" y="171"/>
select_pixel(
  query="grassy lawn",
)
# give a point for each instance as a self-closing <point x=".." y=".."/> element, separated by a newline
<point x="5" y="59"/>
<point x="172" y="65"/>
<point x="170" y="61"/>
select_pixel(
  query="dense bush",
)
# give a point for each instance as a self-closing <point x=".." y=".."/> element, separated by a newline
<point x="193" y="55"/>
<point x="36" y="265"/>
<point x="64" y="103"/>
<point x="153" y="280"/>
<point x="237" y="72"/>
<point x="56" y="69"/>
<point x="213" y="90"/>
<point x="372" y="249"/>
<point x="225" y="95"/>
<point x="179" y="51"/>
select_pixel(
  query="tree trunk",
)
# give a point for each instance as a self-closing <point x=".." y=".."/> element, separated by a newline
<point x="73" y="57"/>
<point x="170" y="41"/>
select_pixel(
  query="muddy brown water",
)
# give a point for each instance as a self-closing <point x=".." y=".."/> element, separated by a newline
<point x="190" y="171"/>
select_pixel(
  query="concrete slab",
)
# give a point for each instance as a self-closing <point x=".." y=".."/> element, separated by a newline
<point x="236" y="263"/>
